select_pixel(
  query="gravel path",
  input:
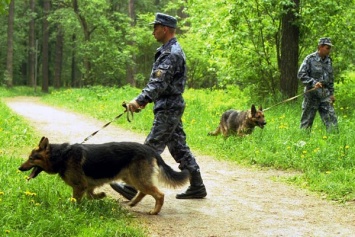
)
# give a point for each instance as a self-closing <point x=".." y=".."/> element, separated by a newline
<point x="240" y="201"/>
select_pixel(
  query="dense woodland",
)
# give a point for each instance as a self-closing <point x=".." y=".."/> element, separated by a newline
<point x="254" y="44"/>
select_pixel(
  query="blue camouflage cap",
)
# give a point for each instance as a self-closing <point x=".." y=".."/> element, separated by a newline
<point x="165" y="20"/>
<point x="325" y="40"/>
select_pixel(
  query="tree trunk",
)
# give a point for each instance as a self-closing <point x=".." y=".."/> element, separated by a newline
<point x="45" y="48"/>
<point x="10" y="46"/>
<point x="289" y="51"/>
<point x="75" y="82"/>
<point x="131" y="70"/>
<point x="85" y="27"/>
<point x="32" y="47"/>
<point x="58" y="58"/>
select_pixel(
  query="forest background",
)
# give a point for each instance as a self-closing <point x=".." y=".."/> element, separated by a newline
<point x="255" y="45"/>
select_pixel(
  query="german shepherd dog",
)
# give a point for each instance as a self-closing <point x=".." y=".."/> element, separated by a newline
<point x="240" y="122"/>
<point x="87" y="166"/>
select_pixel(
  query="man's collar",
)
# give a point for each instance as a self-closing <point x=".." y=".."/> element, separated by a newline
<point x="319" y="58"/>
<point x="170" y="42"/>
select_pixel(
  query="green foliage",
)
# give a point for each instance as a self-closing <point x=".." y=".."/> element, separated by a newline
<point x="19" y="36"/>
<point x="208" y="44"/>
<point x="106" y="45"/>
<point x="237" y="48"/>
<point x="331" y="19"/>
<point x="240" y="46"/>
<point x="226" y="42"/>
<point x="4" y="5"/>
<point x="14" y="133"/>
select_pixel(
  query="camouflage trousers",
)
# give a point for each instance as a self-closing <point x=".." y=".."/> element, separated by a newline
<point x="310" y="106"/>
<point x="167" y="131"/>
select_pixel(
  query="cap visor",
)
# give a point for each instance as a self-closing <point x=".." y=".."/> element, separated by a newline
<point x="155" y="22"/>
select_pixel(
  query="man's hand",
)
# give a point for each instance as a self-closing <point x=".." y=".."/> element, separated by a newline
<point x="332" y="99"/>
<point x="318" y="85"/>
<point x="133" y="106"/>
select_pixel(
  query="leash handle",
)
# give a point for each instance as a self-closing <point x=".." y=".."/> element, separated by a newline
<point x="129" y="111"/>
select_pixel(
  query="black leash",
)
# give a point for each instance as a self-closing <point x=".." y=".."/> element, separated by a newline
<point x="292" y="98"/>
<point x="117" y="117"/>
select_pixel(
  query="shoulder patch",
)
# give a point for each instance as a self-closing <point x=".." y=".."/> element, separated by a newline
<point x="158" y="73"/>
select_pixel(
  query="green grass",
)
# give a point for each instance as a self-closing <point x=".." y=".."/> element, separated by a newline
<point x="43" y="207"/>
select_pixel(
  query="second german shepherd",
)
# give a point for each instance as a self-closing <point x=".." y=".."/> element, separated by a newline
<point x="240" y="122"/>
<point x="87" y="166"/>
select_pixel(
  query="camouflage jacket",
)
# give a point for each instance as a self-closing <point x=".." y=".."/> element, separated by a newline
<point x="315" y="69"/>
<point x="167" y="79"/>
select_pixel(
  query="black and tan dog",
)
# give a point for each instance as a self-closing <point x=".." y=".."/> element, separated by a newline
<point x="240" y="122"/>
<point x="87" y="166"/>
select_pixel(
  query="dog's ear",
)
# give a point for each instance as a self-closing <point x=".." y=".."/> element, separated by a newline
<point x="41" y="140"/>
<point x="260" y="108"/>
<point x="253" y="110"/>
<point x="44" y="143"/>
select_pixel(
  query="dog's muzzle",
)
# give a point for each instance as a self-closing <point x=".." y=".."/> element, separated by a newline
<point x="35" y="171"/>
<point x="261" y="125"/>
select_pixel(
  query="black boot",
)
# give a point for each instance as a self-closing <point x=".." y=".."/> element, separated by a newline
<point x="196" y="190"/>
<point x="125" y="190"/>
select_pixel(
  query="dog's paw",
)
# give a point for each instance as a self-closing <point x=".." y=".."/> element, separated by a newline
<point x="97" y="195"/>
<point x="153" y="212"/>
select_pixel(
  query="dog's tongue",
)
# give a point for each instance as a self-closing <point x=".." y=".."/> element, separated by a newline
<point x="34" y="173"/>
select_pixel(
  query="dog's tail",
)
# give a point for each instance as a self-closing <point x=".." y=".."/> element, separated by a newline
<point x="171" y="177"/>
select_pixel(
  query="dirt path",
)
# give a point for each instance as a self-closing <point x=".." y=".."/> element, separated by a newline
<point x="240" y="201"/>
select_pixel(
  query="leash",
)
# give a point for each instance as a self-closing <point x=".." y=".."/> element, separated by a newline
<point x="292" y="98"/>
<point x="117" y="117"/>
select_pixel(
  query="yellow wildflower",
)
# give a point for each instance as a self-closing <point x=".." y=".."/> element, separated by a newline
<point x="316" y="150"/>
<point x="283" y="126"/>
<point x="28" y="193"/>
<point x="72" y="199"/>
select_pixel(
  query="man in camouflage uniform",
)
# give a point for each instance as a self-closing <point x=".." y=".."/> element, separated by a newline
<point x="316" y="72"/>
<point x="165" y="88"/>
